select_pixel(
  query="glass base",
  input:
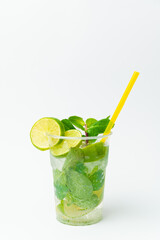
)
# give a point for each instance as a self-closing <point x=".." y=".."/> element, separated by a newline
<point x="91" y="218"/>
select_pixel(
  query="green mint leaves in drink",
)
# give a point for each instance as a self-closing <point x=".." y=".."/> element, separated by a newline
<point x="89" y="203"/>
<point x="79" y="185"/>
<point x="74" y="156"/>
<point x="81" y="168"/>
<point x="97" y="179"/>
<point x="61" y="188"/>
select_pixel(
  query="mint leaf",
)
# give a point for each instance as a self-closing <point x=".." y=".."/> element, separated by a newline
<point x="79" y="185"/>
<point x="97" y="179"/>
<point x="90" y="121"/>
<point x="67" y="124"/>
<point x="95" y="169"/>
<point x="89" y="203"/>
<point x="74" y="156"/>
<point x="61" y="189"/>
<point x="77" y="121"/>
<point x="81" y="168"/>
<point x="98" y="127"/>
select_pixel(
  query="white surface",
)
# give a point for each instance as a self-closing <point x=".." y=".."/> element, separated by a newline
<point x="59" y="58"/>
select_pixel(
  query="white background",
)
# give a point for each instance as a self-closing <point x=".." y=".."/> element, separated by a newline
<point x="75" y="57"/>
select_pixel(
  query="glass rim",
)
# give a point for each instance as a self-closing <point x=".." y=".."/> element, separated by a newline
<point x="81" y="138"/>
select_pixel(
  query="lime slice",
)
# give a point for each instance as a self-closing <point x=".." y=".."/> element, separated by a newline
<point x="94" y="152"/>
<point x="72" y="210"/>
<point x="99" y="193"/>
<point x="63" y="147"/>
<point x="38" y="133"/>
<point x="60" y="208"/>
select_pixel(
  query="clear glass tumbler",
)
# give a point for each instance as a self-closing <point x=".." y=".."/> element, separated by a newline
<point x="79" y="178"/>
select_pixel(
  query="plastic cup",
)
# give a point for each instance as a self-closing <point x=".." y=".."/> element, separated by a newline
<point x="79" y="179"/>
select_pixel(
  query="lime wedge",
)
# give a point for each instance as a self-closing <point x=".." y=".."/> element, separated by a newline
<point x="63" y="147"/>
<point x="41" y="128"/>
<point x="94" y="152"/>
<point x="71" y="210"/>
<point x="99" y="193"/>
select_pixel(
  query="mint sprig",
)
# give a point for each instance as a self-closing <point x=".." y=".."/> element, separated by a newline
<point x="91" y="127"/>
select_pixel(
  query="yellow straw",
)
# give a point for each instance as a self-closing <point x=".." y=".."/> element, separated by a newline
<point x="120" y="104"/>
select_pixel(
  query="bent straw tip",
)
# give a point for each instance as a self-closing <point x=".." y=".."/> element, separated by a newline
<point x="135" y="72"/>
